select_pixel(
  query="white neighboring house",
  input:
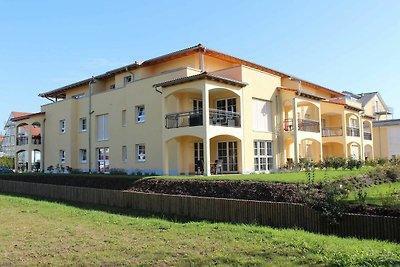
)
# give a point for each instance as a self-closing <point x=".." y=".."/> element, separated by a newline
<point x="8" y="146"/>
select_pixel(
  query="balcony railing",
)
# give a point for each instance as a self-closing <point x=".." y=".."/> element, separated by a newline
<point x="22" y="140"/>
<point x="303" y="125"/>
<point x="367" y="135"/>
<point x="352" y="131"/>
<point x="36" y="139"/>
<point x="195" y="118"/>
<point x="224" y="118"/>
<point x="332" y="131"/>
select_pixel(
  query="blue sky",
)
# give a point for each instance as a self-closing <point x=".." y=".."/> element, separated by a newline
<point x="343" y="45"/>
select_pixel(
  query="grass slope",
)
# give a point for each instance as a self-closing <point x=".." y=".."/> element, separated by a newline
<point x="42" y="233"/>
<point x="375" y="194"/>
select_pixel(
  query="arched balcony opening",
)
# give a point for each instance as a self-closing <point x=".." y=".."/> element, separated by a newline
<point x="307" y="117"/>
<point x="332" y="149"/>
<point x="22" y="134"/>
<point x="368" y="153"/>
<point x="331" y="124"/>
<point x="352" y="122"/>
<point x="36" y="160"/>
<point x="354" y="150"/>
<point x="36" y="133"/>
<point x="310" y="149"/>
<point x="21" y="164"/>
<point x="184" y="108"/>
<point x="367" y="129"/>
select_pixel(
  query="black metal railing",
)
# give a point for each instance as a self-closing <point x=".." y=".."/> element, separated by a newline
<point x="303" y="125"/>
<point x="22" y="140"/>
<point x="195" y="118"/>
<point x="367" y="135"/>
<point x="36" y="139"/>
<point x="224" y="118"/>
<point x="308" y="125"/>
<point x="184" y="119"/>
<point x="353" y="131"/>
<point x="332" y="131"/>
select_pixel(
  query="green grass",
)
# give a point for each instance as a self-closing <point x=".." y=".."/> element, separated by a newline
<point x="284" y="177"/>
<point x="42" y="233"/>
<point x="375" y="194"/>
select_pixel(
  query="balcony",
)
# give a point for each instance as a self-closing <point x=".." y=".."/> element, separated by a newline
<point x="367" y="135"/>
<point x="303" y="125"/>
<point x="352" y="131"/>
<point x="332" y="131"/>
<point x="36" y="139"/>
<point x="195" y="118"/>
<point x="22" y="140"/>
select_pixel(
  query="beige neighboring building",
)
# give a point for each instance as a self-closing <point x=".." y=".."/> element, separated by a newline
<point x="387" y="138"/>
<point x="184" y="111"/>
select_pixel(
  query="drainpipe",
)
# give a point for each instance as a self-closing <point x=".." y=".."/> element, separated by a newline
<point x="92" y="81"/>
<point x="202" y="59"/>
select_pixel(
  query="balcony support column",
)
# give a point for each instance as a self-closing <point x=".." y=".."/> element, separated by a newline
<point x="344" y="126"/>
<point x="361" y="127"/>
<point x="165" y="160"/>
<point x="206" y="125"/>
<point x="29" y="148"/>
<point x="296" y="131"/>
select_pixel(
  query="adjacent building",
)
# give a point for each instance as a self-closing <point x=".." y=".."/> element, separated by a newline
<point x="386" y="138"/>
<point x="191" y="111"/>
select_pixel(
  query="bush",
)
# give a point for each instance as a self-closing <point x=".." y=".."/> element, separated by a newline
<point x="116" y="171"/>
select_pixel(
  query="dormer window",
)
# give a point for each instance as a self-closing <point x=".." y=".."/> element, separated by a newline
<point x="128" y="79"/>
<point x="82" y="95"/>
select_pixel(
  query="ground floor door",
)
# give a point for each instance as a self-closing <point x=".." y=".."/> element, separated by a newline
<point x="354" y="152"/>
<point x="198" y="157"/>
<point x="227" y="152"/>
<point x="103" y="159"/>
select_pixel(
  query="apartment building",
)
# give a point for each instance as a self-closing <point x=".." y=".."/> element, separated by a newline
<point x="196" y="110"/>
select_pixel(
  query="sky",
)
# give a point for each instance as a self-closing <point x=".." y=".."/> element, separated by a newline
<point x="343" y="45"/>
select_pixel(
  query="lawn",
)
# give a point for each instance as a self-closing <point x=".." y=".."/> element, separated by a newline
<point x="377" y="194"/>
<point x="283" y="177"/>
<point x="42" y="233"/>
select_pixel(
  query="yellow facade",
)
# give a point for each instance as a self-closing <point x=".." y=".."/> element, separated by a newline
<point x="197" y="110"/>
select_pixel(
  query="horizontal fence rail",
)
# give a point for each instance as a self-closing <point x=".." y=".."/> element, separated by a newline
<point x="275" y="214"/>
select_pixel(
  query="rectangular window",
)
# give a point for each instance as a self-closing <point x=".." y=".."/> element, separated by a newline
<point x="197" y="105"/>
<point x="112" y="86"/>
<point x="79" y="96"/>
<point x="82" y="155"/>
<point x="102" y="127"/>
<point x="263" y="158"/>
<point x="140" y="115"/>
<point x="123" y="118"/>
<point x="62" y="126"/>
<point x="141" y="152"/>
<point x="227" y="104"/>
<point x="128" y="79"/>
<point x="82" y="124"/>
<point x="124" y="154"/>
<point x="262" y="115"/>
<point x="62" y="156"/>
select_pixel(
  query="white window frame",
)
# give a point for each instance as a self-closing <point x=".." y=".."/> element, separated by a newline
<point x="104" y="136"/>
<point x="63" y="126"/>
<point x="62" y="156"/>
<point x="141" y="152"/>
<point x="140" y="114"/>
<point x="124" y="154"/>
<point x="83" y="155"/>
<point x="266" y="155"/>
<point x="83" y="122"/>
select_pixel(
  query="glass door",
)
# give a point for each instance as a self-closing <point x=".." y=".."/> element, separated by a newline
<point x="227" y="152"/>
<point x="103" y="159"/>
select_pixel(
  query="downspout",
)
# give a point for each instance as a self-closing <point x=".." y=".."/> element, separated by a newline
<point x="90" y="124"/>
<point x="202" y="58"/>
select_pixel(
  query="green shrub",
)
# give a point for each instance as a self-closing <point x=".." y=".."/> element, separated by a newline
<point x="116" y="171"/>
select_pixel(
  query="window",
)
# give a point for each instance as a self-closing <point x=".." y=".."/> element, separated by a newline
<point x="141" y="152"/>
<point x="128" y="79"/>
<point x="82" y="155"/>
<point x="102" y="127"/>
<point x="123" y="118"/>
<point x="263" y="159"/>
<point x="62" y="156"/>
<point x="197" y="105"/>
<point x="62" y="126"/>
<point x="82" y="124"/>
<point x="227" y="104"/>
<point x="124" y="154"/>
<point x="103" y="159"/>
<point x="140" y="116"/>
<point x="262" y="119"/>
<point x="112" y="86"/>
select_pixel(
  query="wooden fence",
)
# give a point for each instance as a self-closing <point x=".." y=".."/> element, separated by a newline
<point x="275" y="214"/>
